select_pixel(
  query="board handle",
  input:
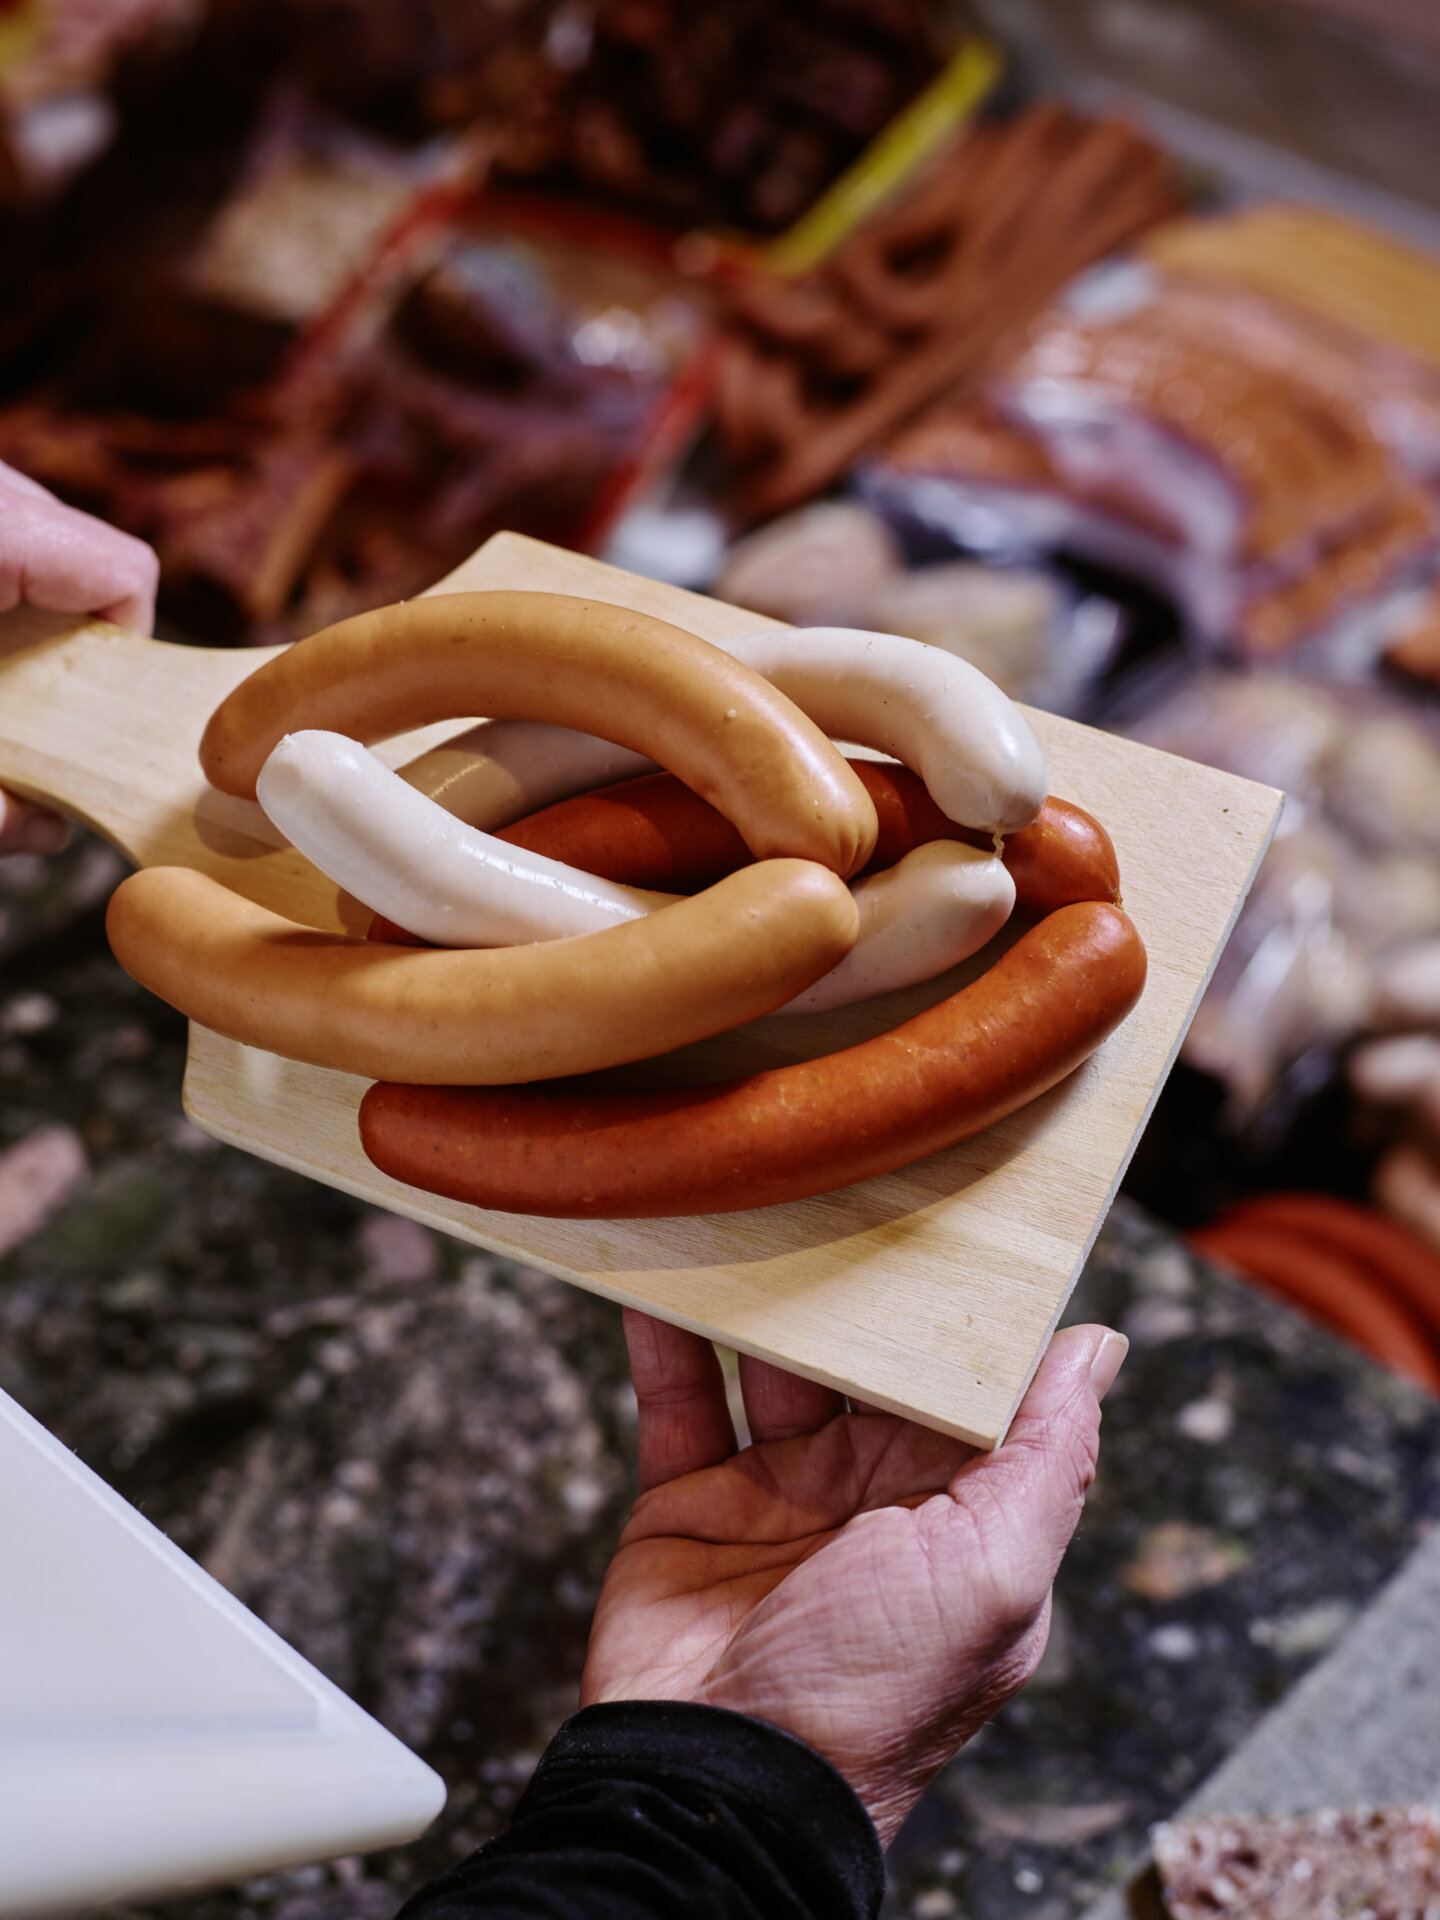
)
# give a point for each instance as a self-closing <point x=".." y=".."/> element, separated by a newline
<point x="101" y="723"/>
<point x="104" y="726"/>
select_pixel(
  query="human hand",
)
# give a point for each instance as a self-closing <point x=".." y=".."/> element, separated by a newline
<point x="864" y="1583"/>
<point x="55" y="557"/>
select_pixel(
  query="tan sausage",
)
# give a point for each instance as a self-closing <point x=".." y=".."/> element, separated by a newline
<point x="640" y="682"/>
<point x="496" y="1014"/>
<point x="582" y="1152"/>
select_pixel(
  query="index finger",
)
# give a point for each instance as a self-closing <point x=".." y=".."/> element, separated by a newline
<point x="780" y="1405"/>
<point x="22" y="483"/>
<point x="684" y="1417"/>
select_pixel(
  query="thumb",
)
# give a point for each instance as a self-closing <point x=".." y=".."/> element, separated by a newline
<point x="1027" y="1496"/>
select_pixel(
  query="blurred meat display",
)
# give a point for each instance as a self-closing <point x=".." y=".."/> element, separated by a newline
<point x="1368" y="284"/>
<point x="1354" y="870"/>
<point x="1270" y="478"/>
<point x="57" y="60"/>
<point x="1024" y="330"/>
<point x="1413" y="646"/>
<point x="918" y="297"/>
<point x="737" y="112"/>
<point x="351" y="377"/>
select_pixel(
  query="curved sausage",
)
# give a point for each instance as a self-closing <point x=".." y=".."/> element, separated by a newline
<point x="1404" y="1264"/>
<point x="502" y="770"/>
<point x="934" y="712"/>
<point x="501" y="1014"/>
<point x="931" y="910"/>
<point x="919" y="918"/>
<point x="453" y="886"/>
<point x="578" y="1151"/>
<point x="408" y="859"/>
<point x="654" y="832"/>
<point x="1063" y="856"/>
<point x="1333" y="1289"/>
<point x="927" y="913"/>
<point x="645" y="684"/>
<point x="968" y="741"/>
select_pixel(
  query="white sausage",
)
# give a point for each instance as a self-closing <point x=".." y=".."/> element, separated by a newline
<point x="967" y="740"/>
<point x="405" y="857"/>
<point x="927" y="913"/>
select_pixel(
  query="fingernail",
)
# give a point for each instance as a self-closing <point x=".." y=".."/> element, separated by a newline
<point x="1109" y="1356"/>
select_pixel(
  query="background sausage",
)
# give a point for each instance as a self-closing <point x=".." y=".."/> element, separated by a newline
<point x="634" y="680"/>
<point x="1404" y="1265"/>
<point x="1328" y="1286"/>
<point x="495" y="1014"/>
<point x="580" y="1151"/>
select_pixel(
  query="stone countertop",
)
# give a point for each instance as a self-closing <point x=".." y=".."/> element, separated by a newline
<point x="1259" y="1482"/>
<point x="413" y="1460"/>
<point x="1362" y="1727"/>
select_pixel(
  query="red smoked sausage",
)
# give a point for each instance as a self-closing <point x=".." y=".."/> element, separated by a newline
<point x="654" y="832"/>
<point x="573" y="1150"/>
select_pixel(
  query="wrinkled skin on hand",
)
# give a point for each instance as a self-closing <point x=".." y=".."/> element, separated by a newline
<point x="873" y="1587"/>
<point x="55" y="557"/>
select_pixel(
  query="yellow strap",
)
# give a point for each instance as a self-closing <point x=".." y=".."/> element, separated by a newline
<point x="21" y="24"/>
<point x="889" y="161"/>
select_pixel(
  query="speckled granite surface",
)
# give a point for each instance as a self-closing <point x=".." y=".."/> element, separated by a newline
<point x="412" y="1460"/>
<point x="1258" y="1484"/>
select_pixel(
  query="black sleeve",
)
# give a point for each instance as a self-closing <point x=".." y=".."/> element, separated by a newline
<point x="659" y="1810"/>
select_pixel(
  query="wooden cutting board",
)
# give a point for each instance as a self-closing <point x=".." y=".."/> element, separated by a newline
<point x="931" y="1291"/>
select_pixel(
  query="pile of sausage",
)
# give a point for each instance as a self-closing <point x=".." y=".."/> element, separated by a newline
<point x="565" y="944"/>
<point x="918" y="298"/>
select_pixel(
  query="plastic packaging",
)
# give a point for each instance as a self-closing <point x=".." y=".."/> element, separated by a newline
<point x="57" y="63"/>
<point x="375" y="394"/>
<point x="838" y="563"/>
<point x="1352" y="877"/>
<point x="822" y="365"/>
<point x="1257" y="471"/>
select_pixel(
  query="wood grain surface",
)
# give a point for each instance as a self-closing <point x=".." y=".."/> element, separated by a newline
<point x="931" y="1291"/>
